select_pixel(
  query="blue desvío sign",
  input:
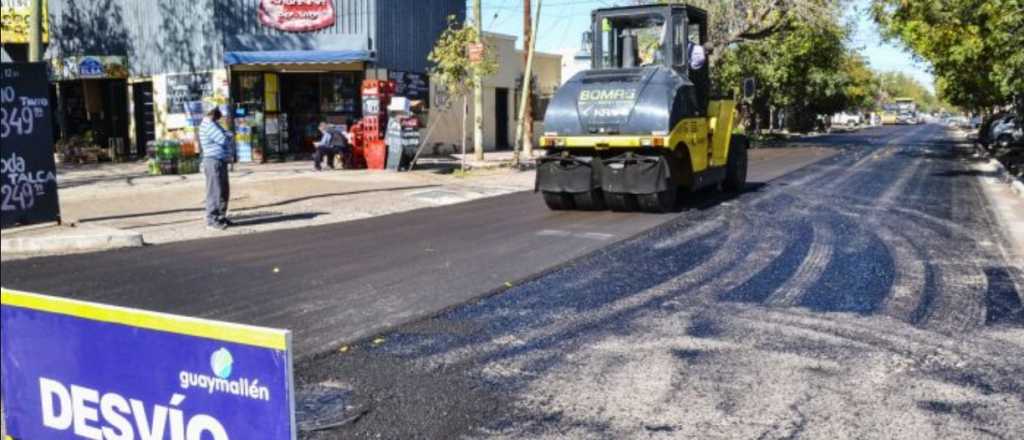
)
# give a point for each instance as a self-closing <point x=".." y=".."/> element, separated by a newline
<point x="74" y="370"/>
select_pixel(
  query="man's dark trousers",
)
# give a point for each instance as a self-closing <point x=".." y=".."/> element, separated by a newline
<point x="217" y="190"/>
<point x="318" y="157"/>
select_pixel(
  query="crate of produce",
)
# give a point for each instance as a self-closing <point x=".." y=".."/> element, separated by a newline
<point x="188" y="166"/>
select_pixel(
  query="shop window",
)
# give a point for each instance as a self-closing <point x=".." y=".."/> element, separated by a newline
<point x="339" y="92"/>
<point x="249" y="89"/>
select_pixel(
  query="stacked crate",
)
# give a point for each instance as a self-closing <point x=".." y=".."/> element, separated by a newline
<point x="376" y="98"/>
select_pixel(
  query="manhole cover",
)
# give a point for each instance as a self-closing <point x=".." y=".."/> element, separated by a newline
<point x="325" y="406"/>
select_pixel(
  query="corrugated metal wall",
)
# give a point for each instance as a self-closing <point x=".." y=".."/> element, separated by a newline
<point x="157" y="36"/>
<point x="353" y="28"/>
<point x="408" y="30"/>
<point x="162" y="36"/>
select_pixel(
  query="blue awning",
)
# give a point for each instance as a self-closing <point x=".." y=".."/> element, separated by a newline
<point x="297" y="57"/>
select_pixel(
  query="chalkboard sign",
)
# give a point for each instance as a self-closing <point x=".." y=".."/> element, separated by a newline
<point x="185" y="88"/>
<point x="29" y="191"/>
<point x="415" y="86"/>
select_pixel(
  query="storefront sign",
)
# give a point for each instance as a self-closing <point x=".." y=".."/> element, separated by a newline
<point x="90" y="67"/>
<point x="415" y="86"/>
<point x="15" y="24"/>
<point x="297" y="15"/>
<point x="74" y="370"/>
<point x="29" y="190"/>
<point x="475" y="51"/>
<point x="188" y="87"/>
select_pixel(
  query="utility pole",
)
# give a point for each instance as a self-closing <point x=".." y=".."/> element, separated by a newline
<point x="527" y="115"/>
<point x="527" y="81"/>
<point x="478" y="89"/>
<point x="35" y="32"/>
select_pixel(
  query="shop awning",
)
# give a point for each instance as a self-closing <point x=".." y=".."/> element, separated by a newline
<point x="297" y="57"/>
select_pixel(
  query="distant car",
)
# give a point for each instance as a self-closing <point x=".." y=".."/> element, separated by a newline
<point x="976" y="122"/>
<point x="958" y="122"/>
<point x="907" y="118"/>
<point x="847" y="119"/>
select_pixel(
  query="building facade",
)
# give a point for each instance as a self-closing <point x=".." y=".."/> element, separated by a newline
<point x="126" y="71"/>
<point x="501" y="98"/>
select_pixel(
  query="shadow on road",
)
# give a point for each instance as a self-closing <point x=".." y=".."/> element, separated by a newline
<point x="252" y="208"/>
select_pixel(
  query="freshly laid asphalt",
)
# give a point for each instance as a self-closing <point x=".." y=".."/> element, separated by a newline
<point x="869" y="294"/>
<point x="343" y="282"/>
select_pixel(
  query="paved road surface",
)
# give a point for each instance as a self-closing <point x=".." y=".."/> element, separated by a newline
<point x="869" y="296"/>
<point x="339" y="283"/>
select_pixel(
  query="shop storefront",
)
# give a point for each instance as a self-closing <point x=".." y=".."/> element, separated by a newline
<point x="91" y="106"/>
<point x="279" y="68"/>
<point x="282" y="97"/>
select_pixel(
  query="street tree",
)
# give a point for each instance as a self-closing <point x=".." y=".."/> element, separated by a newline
<point x="454" y="72"/>
<point x="803" y="72"/>
<point x="974" y="47"/>
<point x="736" y="21"/>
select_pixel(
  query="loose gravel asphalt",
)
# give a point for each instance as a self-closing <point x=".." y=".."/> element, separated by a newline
<point x="869" y="295"/>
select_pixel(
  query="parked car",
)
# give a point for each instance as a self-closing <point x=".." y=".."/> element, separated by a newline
<point x="1005" y="132"/>
<point x="976" y="122"/>
<point x="958" y="122"/>
<point x="907" y="118"/>
<point x="847" y="119"/>
<point x="985" y="131"/>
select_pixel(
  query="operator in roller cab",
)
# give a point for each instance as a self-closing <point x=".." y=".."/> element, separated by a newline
<point x="638" y="128"/>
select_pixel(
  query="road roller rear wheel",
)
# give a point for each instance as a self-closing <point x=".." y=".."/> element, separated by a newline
<point x="592" y="200"/>
<point x="558" y="201"/>
<point x="660" y="202"/>
<point x="620" y="202"/>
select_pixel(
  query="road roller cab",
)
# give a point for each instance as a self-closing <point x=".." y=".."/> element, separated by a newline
<point x="638" y="127"/>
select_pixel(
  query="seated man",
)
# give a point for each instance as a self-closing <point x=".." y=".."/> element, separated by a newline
<point x="324" y="147"/>
<point x="341" y="145"/>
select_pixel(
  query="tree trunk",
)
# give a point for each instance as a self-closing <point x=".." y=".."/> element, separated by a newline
<point x="478" y="90"/>
<point x="527" y="115"/>
<point x="465" y="115"/>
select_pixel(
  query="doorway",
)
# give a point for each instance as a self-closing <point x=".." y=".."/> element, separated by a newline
<point x="145" y="118"/>
<point x="310" y="98"/>
<point x="501" y="119"/>
<point x="97" y="111"/>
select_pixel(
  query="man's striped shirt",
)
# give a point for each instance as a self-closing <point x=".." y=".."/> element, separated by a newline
<point x="214" y="140"/>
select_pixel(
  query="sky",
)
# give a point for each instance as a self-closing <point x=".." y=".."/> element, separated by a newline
<point x="563" y="21"/>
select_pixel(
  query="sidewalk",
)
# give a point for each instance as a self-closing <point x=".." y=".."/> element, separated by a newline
<point x="123" y="198"/>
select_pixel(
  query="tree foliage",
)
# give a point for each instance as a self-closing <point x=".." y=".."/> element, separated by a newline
<point x="974" y="47"/>
<point x="452" y="68"/>
<point x="804" y="71"/>
<point x="737" y="21"/>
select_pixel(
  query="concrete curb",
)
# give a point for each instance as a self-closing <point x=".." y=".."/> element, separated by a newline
<point x="69" y="240"/>
<point x="1004" y="175"/>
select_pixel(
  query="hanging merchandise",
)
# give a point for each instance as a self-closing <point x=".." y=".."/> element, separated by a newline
<point x="243" y="140"/>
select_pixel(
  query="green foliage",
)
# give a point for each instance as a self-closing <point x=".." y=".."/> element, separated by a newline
<point x="733" y="22"/>
<point x="863" y="89"/>
<point x="807" y="71"/>
<point x="451" y="66"/>
<point x="974" y="47"/>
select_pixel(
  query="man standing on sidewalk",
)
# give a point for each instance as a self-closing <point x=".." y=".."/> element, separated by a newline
<point x="215" y="142"/>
